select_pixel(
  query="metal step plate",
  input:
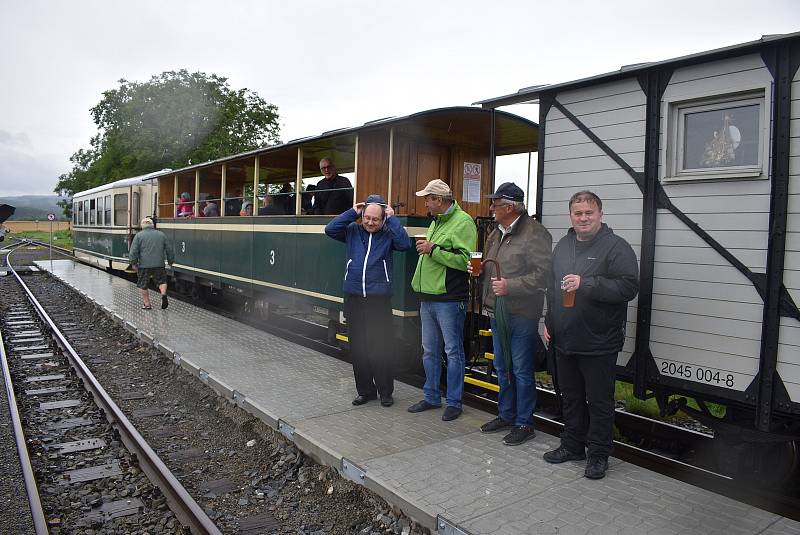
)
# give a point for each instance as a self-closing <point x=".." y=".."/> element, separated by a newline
<point x="63" y="404"/>
<point x="91" y="473"/>
<point x="79" y="445"/>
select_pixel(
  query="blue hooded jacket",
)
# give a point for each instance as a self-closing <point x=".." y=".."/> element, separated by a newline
<point x="369" y="256"/>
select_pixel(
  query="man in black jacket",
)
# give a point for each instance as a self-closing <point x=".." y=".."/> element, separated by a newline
<point x="595" y="275"/>
<point x="334" y="193"/>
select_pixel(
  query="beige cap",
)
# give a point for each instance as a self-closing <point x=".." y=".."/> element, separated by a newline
<point x="435" y="187"/>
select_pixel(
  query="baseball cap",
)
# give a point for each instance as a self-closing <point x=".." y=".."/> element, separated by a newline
<point x="375" y="199"/>
<point x="435" y="187"/>
<point x="508" y="191"/>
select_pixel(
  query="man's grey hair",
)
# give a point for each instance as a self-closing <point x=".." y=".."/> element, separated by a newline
<point x="519" y="206"/>
<point x="444" y="198"/>
<point x="147" y="223"/>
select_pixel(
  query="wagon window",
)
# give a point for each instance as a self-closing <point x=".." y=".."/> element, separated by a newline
<point x="99" y="210"/>
<point x="85" y="212"/>
<point x="75" y="206"/>
<point x="92" y="211"/>
<point x="121" y="209"/>
<point x="718" y="138"/>
<point x="108" y="210"/>
<point x="185" y="194"/>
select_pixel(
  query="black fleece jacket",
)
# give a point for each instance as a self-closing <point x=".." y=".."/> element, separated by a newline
<point x="609" y="275"/>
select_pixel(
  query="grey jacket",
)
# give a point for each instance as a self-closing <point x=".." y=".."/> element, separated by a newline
<point x="150" y="249"/>
<point x="524" y="255"/>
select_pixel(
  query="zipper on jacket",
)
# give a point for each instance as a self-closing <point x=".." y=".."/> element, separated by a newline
<point x="347" y="268"/>
<point x="364" y="269"/>
<point x="385" y="271"/>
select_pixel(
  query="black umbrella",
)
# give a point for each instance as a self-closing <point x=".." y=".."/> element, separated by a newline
<point x="6" y="211"/>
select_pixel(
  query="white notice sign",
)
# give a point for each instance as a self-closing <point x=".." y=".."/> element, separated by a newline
<point x="472" y="183"/>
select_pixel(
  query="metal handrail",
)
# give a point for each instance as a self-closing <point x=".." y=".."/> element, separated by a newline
<point x="187" y="511"/>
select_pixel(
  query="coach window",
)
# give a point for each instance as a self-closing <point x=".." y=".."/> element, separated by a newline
<point x="107" y="205"/>
<point x="135" y="208"/>
<point x="721" y="137"/>
<point x="240" y="186"/>
<point x="99" y="211"/>
<point x="86" y="212"/>
<point x="75" y="213"/>
<point x="121" y="209"/>
<point x="92" y="211"/>
<point x="210" y="191"/>
<point x="341" y="157"/>
<point x="185" y="194"/>
<point x="276" y="185"/>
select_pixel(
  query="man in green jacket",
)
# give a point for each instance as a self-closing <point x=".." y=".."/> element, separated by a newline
<point x="149" y="250"/>
<point x="442" y="283"/>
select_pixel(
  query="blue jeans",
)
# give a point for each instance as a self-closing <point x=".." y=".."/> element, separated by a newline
<point x="443" y="327"/>
<point x="517" y="397"/>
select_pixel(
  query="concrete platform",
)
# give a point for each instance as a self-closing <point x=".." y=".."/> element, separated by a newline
<point x="445" y="475"/>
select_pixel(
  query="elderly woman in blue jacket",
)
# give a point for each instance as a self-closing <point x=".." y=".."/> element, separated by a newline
<point x="368" y="292"/>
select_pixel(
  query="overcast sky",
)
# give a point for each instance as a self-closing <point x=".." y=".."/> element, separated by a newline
<point x="327" y="64"/>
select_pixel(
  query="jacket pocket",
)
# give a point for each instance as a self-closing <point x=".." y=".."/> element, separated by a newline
<point x="347" y="268"/>
<point x="385" y="271"/>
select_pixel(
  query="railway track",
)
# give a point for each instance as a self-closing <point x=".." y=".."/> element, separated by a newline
<point x="85" y="466"/>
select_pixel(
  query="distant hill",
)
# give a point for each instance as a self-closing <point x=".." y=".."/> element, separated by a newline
<point x="34" y="207"/>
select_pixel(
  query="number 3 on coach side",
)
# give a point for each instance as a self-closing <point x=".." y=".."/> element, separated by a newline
<point x="183" y="246"/>
<point x="272" y="257"/>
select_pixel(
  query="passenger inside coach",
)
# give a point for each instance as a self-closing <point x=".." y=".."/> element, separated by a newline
<point x="185" y="208"/>
<point x="247" y="209"/>
<point x="284" y="199"/>
<point x="233" y="205"/>
<point x="334" y="193"/>
<point x="270" y="208"/>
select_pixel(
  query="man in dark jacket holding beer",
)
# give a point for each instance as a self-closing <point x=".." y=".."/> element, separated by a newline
<point x="521" y="247"/>
<point x="595" y="275"/>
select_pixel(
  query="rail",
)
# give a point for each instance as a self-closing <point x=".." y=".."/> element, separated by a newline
<point x="186" y="510"/>
<point x="37" y="513"/>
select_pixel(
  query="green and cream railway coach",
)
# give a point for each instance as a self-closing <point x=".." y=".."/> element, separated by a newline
<point x="105" y="218"/>
<point x="285" y="260"/>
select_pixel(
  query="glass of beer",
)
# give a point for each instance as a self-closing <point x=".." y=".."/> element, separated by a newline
<point x="475" y="261"/>
<point x="567" y="298"/>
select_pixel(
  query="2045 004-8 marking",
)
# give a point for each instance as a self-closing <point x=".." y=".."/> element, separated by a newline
<point x="700" y="374"/>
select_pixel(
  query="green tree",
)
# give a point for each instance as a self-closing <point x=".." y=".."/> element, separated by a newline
<point x="173" y="120"/>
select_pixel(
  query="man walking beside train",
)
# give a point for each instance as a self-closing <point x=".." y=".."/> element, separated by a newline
<point x="595" y="275"/>
<point x="442" y="283"/>
<point x="149" y="250"/>
<point x="521" y="246"/>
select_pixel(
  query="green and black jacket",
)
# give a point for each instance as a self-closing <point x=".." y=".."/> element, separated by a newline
<point x="442" y="275"/>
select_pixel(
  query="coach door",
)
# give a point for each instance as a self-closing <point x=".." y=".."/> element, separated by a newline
<point x="430" y="161"/>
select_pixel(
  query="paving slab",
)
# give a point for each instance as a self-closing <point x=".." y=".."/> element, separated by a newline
<point x="431" y="469"/>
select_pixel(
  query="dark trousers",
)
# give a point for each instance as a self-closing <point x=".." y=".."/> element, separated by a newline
<point x="369" y="331"/>
<point x="587" y="390"/>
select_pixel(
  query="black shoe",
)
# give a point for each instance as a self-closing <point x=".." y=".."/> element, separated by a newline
<point x="164" y="302"/>
<point x="518" y="435"/>
<point x="387" y="401"/>
<point x="562" y="454"/>
<point x="451" y="413"/>
<point x="498" y="424"/>
<point x="596" y="467"/>
<point x="422" y="406"/>
<point x="360" y="400"/>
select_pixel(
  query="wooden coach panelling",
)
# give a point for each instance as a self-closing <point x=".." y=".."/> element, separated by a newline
<point x="373" y="163"/>
<point x="789" y="341"/>
<point x="615" y="112"/>
<point x="705" y="312"/>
